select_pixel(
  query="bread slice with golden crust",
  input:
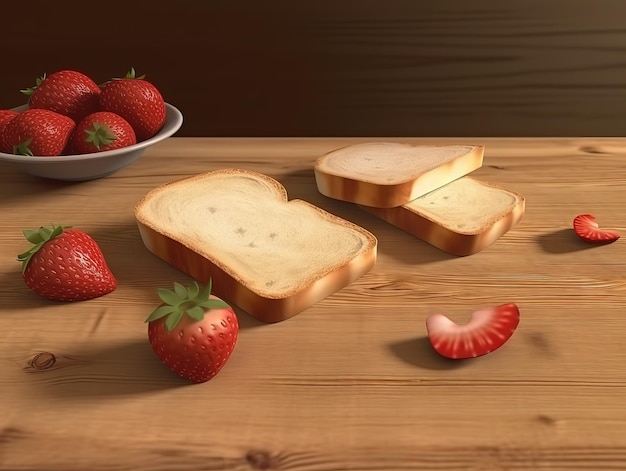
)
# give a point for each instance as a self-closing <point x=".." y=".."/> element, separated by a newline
<point x="269" y="256"/>
<point x="390" y="174"/>
<point x="462" y="218"/>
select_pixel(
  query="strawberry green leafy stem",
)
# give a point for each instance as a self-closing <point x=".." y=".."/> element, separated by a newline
<point x="191" y="301"/>
<point x="38" y="237"/>
<point x="23" y="148"/>
<point x="100" y="135"/>
<point x="131" y="74"/>
<point x="29" y="91"/>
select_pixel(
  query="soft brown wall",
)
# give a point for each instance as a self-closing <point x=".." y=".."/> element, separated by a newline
<point x="346" y="67"/>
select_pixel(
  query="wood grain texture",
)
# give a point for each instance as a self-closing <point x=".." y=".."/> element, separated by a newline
<point x="347" y="67"/>
<point x="352" y="383"/>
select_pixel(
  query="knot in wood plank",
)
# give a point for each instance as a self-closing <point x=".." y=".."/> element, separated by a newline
<point x="260" y="459"/>
<point x="43" y="361"/>
<point x="10" y="434"/>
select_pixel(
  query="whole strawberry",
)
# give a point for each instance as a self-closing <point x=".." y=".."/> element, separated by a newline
<point x="137" y="101"/>
<point x="101" y="131"/>
<point x="65" y="265"/>
<point x="67" y="92"/>
<point x="38" y="132"/>
<point x="5" y="117"/>
<point x="193" y="332"/>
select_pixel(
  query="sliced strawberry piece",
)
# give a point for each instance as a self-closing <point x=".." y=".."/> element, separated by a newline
<point x="587" y="228"/>
<point x="487" y="330"/>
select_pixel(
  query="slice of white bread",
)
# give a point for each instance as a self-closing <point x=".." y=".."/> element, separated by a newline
<point x="390" y="174"/>
<point x="461" y="218"/>
<point x="271" y="257"/>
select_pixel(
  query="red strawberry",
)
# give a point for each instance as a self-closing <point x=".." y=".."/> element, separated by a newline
<point x="65" y="265"/>
<point x="137" y="101"/>
<point x="587" y="228"/>
<point x="67" y="92"/>
<point x="487" y="330"/>
<point x="5" y="117"/>
<point x="192" y="331"/>
<point x="38" y="132"/>
<point x="101" y="131"/>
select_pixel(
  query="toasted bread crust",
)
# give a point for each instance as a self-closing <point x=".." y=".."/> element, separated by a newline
<point x="372" y="192"/>
<point x="447" y="239"/>
<point x="229" y="285"/>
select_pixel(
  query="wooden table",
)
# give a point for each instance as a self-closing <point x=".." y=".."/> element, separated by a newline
<point x="351" y="383"/>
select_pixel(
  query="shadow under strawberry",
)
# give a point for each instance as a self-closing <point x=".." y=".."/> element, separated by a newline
<point x="16" y="296"/>
<point x="93" y="372"/>
<point x="419" y="352"/>
<point x="563" y="241"/>
<point x="24" y="186"/>
<point x="127" y="257"/>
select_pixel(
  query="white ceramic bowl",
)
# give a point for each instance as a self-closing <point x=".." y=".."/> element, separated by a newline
<point x="96" y="165"/>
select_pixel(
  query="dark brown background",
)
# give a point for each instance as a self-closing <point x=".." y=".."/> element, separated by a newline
<point x="342" y="67"/>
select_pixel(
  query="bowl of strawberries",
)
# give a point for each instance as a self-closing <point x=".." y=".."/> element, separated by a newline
<point x="74" y="129"/>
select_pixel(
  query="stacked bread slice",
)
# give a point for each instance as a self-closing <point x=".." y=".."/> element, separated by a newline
<point x="424" y="190"/>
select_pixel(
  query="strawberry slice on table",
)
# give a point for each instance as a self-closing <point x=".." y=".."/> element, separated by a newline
<point x="5" y="117"/>
<point x="102" y="131"/>
<point x="38" y="132"/>
<point x="193" y="332"/>
<point x="65" y="265"/>
<point x="487" y="330"/>
<point x="68" y="92"/>
<point x="587" y="228"/>
<point x="137" y="101"/>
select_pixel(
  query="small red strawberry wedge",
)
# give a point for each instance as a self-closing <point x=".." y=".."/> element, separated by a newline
<point x="586" y="227"/>
<point x="65" y="265"/>
<point x="487" y="330"/>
